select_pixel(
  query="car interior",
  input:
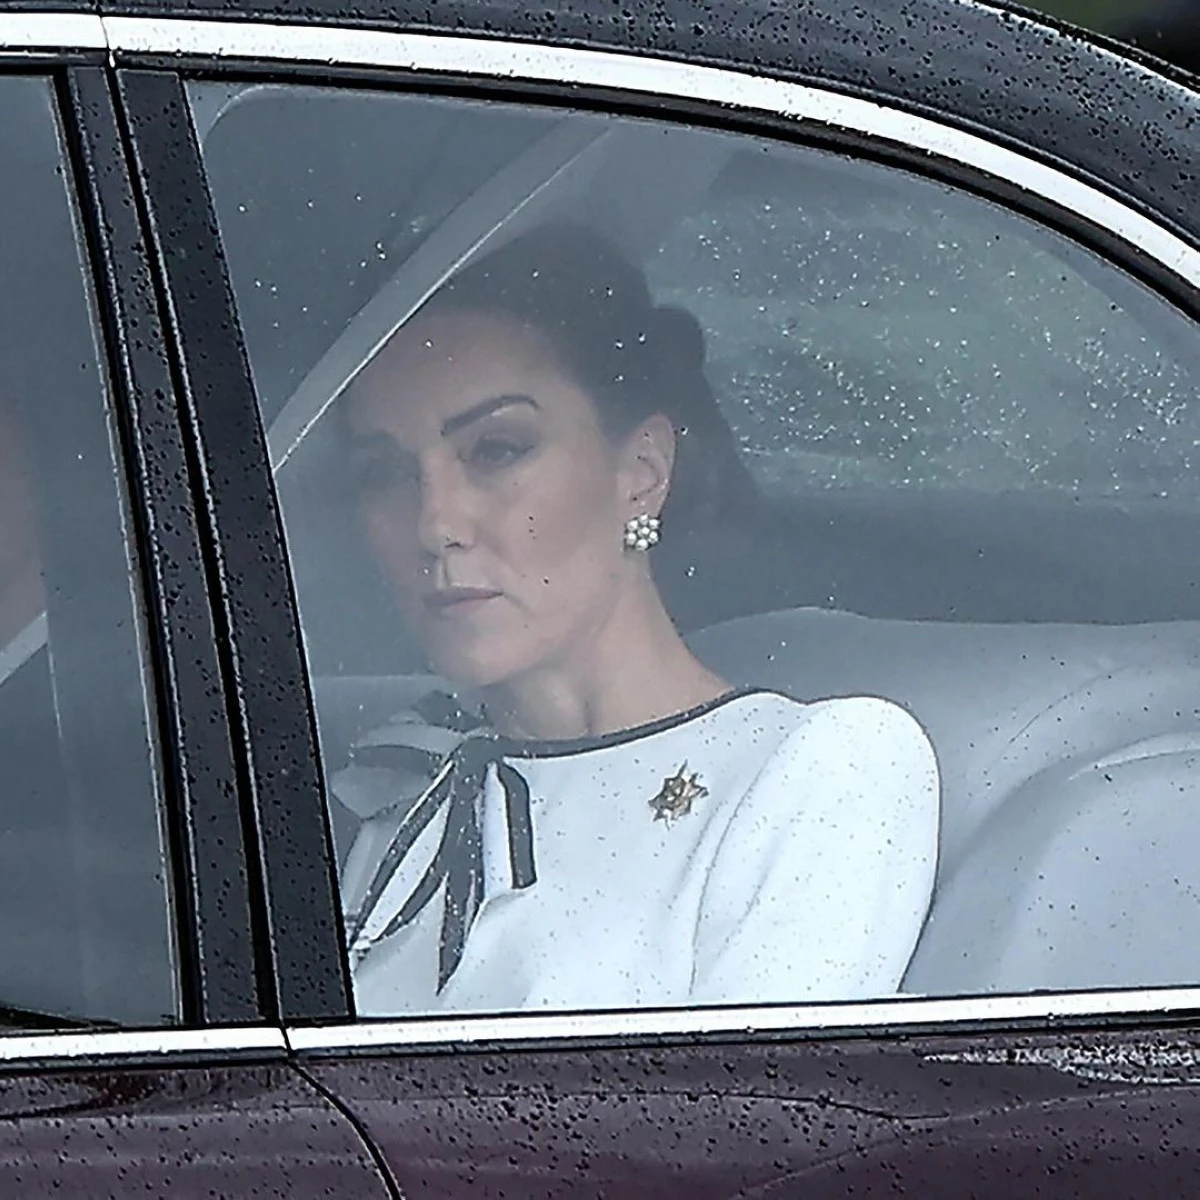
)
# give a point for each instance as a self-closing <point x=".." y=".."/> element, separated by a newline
<point x="1042" y="627"/>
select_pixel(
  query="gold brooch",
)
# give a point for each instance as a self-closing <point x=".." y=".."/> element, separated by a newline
<point x="675" y="798"/>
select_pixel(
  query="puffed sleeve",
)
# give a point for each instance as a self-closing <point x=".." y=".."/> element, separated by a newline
<point x="823" y="876"/>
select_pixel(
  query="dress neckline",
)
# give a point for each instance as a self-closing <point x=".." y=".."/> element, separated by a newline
<point x="565" y="747"/>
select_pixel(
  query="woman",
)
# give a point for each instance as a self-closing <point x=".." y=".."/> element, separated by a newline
<point x="617" y="826"/>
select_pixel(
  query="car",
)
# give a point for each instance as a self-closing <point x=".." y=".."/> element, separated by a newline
<point x="946" y="254"/>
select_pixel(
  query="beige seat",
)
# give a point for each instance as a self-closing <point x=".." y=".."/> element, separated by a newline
<point x="1070" y="760"/>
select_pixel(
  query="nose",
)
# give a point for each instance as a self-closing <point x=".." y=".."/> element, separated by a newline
<point x="445" y="520"/>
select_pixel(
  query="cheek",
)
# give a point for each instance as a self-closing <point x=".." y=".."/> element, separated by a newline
<point x="391" y="532"/>
<point x="563" y="521"/>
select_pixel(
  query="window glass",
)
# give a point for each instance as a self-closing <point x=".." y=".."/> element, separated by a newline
<point x="709" y="551"/>
<point x="84" y="931"/>
<point x="892" y="333"/>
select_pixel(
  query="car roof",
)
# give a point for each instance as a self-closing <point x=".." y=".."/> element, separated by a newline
<point x="1130" y="123"/>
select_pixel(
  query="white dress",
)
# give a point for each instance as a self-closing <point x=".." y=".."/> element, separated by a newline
<point x="797" y="866"/>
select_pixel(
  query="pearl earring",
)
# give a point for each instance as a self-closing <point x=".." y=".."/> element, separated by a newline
<point x="641" y="532"/>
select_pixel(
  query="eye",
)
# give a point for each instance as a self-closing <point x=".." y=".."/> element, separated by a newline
<point x="373" y="473"/>
<point x="498" y="450"/>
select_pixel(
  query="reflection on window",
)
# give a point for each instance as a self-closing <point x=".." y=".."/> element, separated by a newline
<point x="83" y="904"/>
<point x="886" y="333"/>
<point x="731" y="572"/>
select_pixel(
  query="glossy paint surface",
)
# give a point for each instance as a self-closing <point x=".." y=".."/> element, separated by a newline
<point x="261" y="657"/>
<point x="191" y="1132"/>
<point x="1072" y="1116"/>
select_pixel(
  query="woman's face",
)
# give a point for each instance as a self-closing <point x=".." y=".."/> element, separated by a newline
<point x="491" y="496"/>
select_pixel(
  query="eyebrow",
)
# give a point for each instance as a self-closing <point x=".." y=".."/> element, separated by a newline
<point x="484" y="408"/>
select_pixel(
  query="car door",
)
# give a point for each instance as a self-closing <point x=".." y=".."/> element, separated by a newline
<point x="970" y="378"/>
<point x="136" y="1055"/>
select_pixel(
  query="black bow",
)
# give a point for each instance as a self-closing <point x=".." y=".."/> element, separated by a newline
<point x="458" y="861"/>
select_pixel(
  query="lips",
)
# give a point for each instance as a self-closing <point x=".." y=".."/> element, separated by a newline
<point x="453" y="600"/>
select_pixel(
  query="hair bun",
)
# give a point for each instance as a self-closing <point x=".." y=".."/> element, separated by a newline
<point x="677" y="333"/>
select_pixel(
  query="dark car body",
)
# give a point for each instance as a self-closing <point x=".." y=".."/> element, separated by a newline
<point x="264" y="1083"/>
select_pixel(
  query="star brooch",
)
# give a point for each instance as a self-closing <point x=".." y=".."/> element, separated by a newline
<point x="678" y="793"/>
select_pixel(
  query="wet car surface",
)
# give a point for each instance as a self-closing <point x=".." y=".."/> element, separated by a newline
<point x="213" y="199"/>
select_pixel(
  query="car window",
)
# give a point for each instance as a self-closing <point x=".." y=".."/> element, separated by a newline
<point x="908" y="471"/>
<point x="397" y="179"/>
<point x="891" y="332"/>
<point x="84" y="930"/>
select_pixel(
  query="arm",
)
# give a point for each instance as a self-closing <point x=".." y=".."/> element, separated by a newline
<point x="822" y="880"/>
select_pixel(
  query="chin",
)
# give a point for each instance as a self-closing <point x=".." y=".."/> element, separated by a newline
<point x="465" y="669"/>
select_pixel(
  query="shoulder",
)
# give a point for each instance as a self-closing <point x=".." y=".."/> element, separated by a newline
<point x="848" y="799"/>
<point x="766" y="740"/>
<point x="863" y="730"/>
<point x="852" y="749"/>
<point x="865" y="724"/>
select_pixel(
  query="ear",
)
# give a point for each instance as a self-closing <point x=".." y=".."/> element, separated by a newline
<point x="647" y="460"/>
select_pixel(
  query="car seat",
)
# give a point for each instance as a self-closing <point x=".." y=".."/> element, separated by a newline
<point x="1070" y="792"/>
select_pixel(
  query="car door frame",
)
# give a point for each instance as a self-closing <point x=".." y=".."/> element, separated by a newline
<point x="218" y="975"/>
<point x="152" y="56"/>
<point x="228" y="1037"/>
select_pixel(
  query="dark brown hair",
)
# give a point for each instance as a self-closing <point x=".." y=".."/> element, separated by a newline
<point x="632" y="357"/>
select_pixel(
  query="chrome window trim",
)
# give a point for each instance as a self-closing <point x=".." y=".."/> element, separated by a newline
<point x="513" y="61"/>
<point x="25" y="32"/>
<point x="901" y="1013"/>
<point x="140" y="1044"/>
